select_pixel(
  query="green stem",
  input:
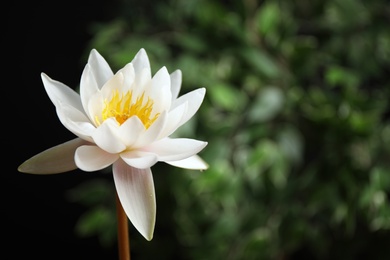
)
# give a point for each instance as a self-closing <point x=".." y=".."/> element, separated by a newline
<point x="123" y="232"/>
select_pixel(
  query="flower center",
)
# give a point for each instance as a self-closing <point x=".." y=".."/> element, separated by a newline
<point x="121" y="108"/>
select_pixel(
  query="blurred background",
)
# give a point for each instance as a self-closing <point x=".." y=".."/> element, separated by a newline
<point x="296" y="115"/>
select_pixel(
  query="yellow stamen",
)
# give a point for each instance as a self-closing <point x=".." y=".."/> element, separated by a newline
<point x="121" y="108"/>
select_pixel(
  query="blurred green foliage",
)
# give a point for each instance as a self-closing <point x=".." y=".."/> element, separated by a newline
<point x="297" y="119"/>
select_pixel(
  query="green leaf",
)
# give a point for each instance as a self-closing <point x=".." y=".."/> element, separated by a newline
<point x="337" y="75"/>
<point x="226" y="96"/>
<point x="268" y="103"/>
<point x="291" y="144"/>
<point x="261" y="62"/>
<point x="267" y="17"/>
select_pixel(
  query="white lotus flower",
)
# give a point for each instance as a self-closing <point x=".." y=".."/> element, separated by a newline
<point x="123" y="120"/>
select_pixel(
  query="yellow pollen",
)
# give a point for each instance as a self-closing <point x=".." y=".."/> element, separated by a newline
<point x="121" y="108"/>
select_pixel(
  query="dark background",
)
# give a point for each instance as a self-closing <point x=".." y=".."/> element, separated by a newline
<point x="321" y="55"/>
<point x="51" y="37"/>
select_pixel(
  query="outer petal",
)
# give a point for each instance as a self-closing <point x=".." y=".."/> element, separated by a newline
<point x="174" y="149"/>
<point x="91" y="158"/>
<point x="130" y="130"/>
<point x="106" y="137"/>
<point x="58" y="91"/>
<point x="88" y="87"/>
<point x="176" y="78"/>
<point x="139" y="159"/>
<point x="193" y="163"/>
<point x="141" y="61"/>
<point x="75" y="121"/>
<point x="174" y="119"/>
<point x="194" y="99"/>
<point x="151" y="134"/>
<point x="160" y="90"/>
<point x="100" y="68"/>
<point x="57" y="159"/>
<point x="135" y="190"/>
<point x="142" y="72"/>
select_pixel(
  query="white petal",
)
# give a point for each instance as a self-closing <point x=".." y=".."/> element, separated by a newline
<point x="88" y="87"/>
<point x="106" y="136"/>
<point x="114" y="83"/>
<point x="130" y="130"/>
<point x="58" y="91"/>
<point x="142" y="81"/>
<point x="160" y="90"/>
<point x="129" y="76"/>
<point x="136" y="193"/>
<point x="100" y="68"/>
<point x="95" y="107"/>
<point x="174" y="119"/>
<point x="118" y="82"/>
<point x="75" y="121"/>
<point x="141" y="61"/>
<point x="174" y="149"/>
<point x="151" y="134"/>
<point x="194" y="99"/>
<point x="176" y="79"/>
<point x="91" y="158"/>
<point x="139" y="159"/>
<point x="193" y="163"/>
<point x="57" y="159"/>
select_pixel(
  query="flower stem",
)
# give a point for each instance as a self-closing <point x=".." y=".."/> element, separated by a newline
<point x="123" y="232"/>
